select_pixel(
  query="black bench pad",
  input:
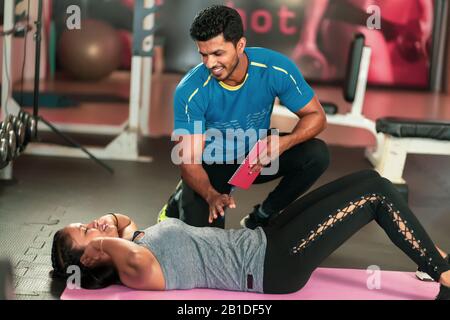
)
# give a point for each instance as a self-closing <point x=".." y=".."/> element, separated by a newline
<point x="402" y="127"/>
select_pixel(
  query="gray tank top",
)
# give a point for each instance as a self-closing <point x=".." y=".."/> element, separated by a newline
<point x="206" y="257"/>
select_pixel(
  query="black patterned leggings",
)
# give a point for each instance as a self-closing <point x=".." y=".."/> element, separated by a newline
<point x="314" y="226"/>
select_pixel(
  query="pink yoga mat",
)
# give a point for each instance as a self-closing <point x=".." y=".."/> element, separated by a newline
<point x="325" y="284"/>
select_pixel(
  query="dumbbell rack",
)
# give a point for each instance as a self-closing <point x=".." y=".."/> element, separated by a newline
<point x="15" y="134"/>
<point x="125" y="145"/>
<point x="8" y="24"/>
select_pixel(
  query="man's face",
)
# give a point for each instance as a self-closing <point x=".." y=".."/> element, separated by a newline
<point x="219" y="56"/>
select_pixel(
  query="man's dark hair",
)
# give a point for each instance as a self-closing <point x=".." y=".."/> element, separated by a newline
<point x="217" y="19"/>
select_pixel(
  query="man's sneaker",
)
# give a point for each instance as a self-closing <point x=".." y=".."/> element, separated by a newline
<point x="162" y="215"/>
<point x="424" y="276"/>
<point x="444" y="293"/>
<point x="171" y="209"/>
<point x="252" y="221"/>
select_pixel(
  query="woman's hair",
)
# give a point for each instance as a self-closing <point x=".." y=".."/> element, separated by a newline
<point x="64" y="254"/>
<point x="217" y="19"/>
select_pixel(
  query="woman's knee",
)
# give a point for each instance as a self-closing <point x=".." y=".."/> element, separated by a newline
<point x="366" y="174"/>
<point x="381" y="185"/>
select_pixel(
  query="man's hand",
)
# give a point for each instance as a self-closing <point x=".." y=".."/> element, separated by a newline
<point x="217" y="202"/>
<point x="276" y="146"/>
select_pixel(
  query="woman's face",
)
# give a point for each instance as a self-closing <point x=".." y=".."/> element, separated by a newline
<point x="82" y="234"/>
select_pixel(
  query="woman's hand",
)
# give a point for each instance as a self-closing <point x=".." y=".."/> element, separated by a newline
<point x="93" y="254"/>
<point x="103" y="222"/>
<point x="108" y="219"/>
<point x="123" y="224"/>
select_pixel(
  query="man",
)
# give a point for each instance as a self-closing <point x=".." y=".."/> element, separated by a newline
<point x="235" y="88"/>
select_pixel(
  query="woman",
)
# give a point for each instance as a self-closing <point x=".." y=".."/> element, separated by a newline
<point x="278" y="258"/>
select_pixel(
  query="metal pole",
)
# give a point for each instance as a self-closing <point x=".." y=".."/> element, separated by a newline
<point x="8" y="24"/>
<point x="37" y="64"/>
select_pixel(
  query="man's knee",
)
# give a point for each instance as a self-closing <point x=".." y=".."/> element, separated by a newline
<point x="318" y="152"/>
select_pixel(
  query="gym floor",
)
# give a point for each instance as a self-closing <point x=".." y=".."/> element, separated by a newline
<point x="48" y="192"/>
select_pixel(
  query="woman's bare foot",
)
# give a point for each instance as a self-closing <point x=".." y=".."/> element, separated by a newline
<point x="444" y="291"/>
<point x="445" y="279"/>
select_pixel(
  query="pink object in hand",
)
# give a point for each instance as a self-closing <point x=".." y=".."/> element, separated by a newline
<point x="242" y="178"/>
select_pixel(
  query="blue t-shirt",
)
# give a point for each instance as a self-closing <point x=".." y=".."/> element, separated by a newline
<point x="230" y="115"/>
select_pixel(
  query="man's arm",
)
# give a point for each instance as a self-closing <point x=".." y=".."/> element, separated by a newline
<point x="189" y="114"/>
<point x="195" y="176"/>
<point x="312" y="122"/>
<point x="191" y="168"/>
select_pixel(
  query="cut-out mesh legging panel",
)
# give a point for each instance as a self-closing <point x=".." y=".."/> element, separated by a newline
<point x="314" y="226"/>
